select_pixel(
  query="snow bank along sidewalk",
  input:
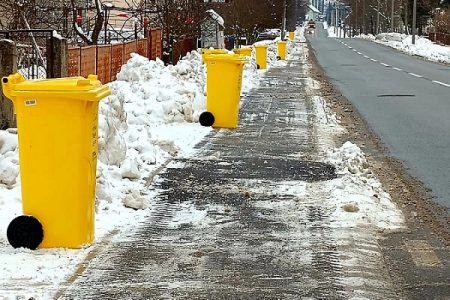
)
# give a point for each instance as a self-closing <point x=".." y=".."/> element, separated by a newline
<point x="151" y="118"/>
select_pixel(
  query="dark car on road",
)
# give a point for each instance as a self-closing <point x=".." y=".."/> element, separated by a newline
<point x="268" y="34"/>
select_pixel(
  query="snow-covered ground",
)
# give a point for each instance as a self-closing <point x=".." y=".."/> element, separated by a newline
<point x="423" y="47"/>
<point x="150" y="118"/>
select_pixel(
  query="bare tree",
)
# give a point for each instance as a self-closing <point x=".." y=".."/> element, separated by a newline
<point x="247" y="17"/>
<point x="179" y="18"/>
<point x="98" y="24"/>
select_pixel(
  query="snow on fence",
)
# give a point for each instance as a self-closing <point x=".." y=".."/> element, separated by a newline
<point x="106" y="60"/>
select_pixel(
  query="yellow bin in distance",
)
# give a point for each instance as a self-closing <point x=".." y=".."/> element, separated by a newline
<point x="224" y="82"/>
<point x="57" y="121"/>
<point x="261" y="56"/>
<point x="246" y="51"/>
<point x="291" y="35"/>
<point x="281" y="48"/>
<point x="207" y="51"/>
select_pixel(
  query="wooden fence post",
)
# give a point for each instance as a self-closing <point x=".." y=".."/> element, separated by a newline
<point x="8" y="66"/>
<point x="58" y="58"/>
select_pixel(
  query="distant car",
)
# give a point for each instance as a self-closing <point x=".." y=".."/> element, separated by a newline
<point x="310" y="27"/>
<point x="268" y="34"/>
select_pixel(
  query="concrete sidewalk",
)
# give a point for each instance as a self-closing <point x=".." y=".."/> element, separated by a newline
<point x="251" y="216"/>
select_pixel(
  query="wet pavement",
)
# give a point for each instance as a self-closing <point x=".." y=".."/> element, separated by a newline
<point x="245" y="238"/>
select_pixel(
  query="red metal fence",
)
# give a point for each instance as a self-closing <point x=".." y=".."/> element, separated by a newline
<point x="442" y="38"/>
<point x="106" y="60"/>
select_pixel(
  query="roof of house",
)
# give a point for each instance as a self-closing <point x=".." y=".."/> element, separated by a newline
<point x="215" y="16"/>
<point x="313" y="8"/>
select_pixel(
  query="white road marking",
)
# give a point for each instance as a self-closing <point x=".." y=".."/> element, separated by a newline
<point x="366" y="56"/>
<point x="398" y="69"/>
<point x="415" y="75"/>
<point x="373" y="60"/>
<point x="386" y="65"/>
<point x="441" y="83"/>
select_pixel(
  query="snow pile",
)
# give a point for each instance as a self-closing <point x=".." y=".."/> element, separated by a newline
<point x="423" y="46"/>
<point x="330" y="30"/>
<point x="147" y="98"/>
<point x="358" y="197"/>
<point x="9" y="168"/>
<point x="391" y="37"/>
<point x="369" y="37"/>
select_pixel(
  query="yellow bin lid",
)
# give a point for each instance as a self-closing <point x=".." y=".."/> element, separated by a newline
<point x="232" y="58"/>
<point x="89" y="88"/>
<point x="261" y="46"/>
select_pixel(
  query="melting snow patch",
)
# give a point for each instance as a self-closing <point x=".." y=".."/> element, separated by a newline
<point x="188" y="215"/>
<point x="357" y="198"/>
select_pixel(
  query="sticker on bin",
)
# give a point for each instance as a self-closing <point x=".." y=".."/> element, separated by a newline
<point x="30" y="102"/>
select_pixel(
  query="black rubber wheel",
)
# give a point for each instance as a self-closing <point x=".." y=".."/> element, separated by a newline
<point x="278" y="57"/>
<point x="258" y="67"/>
<point x="206" y="119"/>
<point x="26" y="232"/>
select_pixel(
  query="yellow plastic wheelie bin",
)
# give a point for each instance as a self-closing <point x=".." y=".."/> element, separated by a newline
<point x="246" y="51"/>
<point x="223" y="91"/>
<point x="281" y="48"/>
<point x="291" y="35"/>
<point x="57" y="121"/>
<point x="261" y="56"/>
<point x="207" y="51"/>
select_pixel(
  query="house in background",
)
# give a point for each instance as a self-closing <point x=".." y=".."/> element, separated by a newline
<point x="212" y="31"/>
<point x="312" y="13"/>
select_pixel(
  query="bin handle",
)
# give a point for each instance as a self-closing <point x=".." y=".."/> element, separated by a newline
<point x="8" y="82"/>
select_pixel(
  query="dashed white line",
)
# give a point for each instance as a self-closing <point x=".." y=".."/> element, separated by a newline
<point x="415" y="75"/>
<point x="441" y="83"/>
<point x="397" y="69"/>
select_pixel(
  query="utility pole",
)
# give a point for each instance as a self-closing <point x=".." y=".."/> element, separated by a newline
<point x="364" y="17"/>
<point x="414" y="22"/>
<point x="378" y="17"/>
<point x="356" y="17"/>
<point x="406" y="17"/>
<point x="335" y="19"/>
<point x="283" y="21"/>
<point x="392" y="16"/>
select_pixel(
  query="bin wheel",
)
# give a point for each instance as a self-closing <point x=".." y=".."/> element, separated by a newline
<point x="278" y="57"/>
<point x="258" y="67"/>
<point x="206" y="119"/>
<point x="26" y="232"/>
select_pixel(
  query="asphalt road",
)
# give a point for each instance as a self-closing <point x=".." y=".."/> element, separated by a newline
<point x="404" y="99"/>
